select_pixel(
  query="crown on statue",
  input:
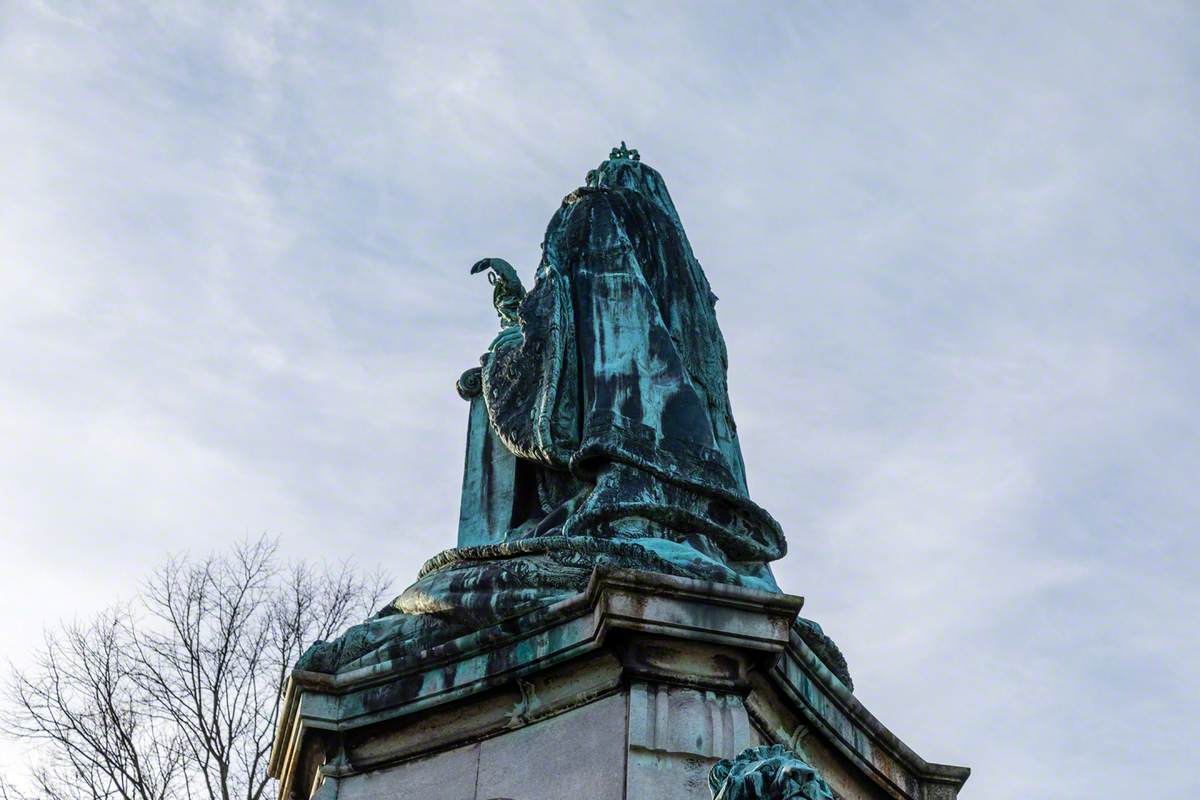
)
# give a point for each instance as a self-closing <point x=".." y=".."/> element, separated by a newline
<point x="620" y="160"/>
<point x="624" y="152"/>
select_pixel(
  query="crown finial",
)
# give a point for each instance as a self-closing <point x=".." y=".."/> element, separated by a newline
<point x="624" y="152"/>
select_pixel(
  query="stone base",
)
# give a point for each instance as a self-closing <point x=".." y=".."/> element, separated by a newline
<point x="631" y="691"/>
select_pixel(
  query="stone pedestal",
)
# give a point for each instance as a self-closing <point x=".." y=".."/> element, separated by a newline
<point x="629" y="691"/>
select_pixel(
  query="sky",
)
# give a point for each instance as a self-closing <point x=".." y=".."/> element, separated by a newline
<point x="956" y="252"/>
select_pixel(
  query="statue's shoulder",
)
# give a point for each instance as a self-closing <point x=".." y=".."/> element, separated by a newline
<point x="579" y="194"/>
<point x="619" y="201"/>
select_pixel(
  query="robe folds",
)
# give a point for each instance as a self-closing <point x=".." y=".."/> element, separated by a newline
<point x="612" y="396"/>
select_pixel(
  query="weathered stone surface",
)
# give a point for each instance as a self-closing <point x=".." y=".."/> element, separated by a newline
<point x="452" y="775"/>
<point x="675" y="734"/>
<point x="578" y="754"/>
<point x="661" y="677"/>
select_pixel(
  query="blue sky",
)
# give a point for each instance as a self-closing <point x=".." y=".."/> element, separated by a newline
<point x="956" y="250"/>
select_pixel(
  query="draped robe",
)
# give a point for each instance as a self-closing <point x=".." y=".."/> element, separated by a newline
<point x="612" y="396"/>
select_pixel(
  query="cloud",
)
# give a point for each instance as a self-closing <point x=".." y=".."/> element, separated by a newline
<point x="954" y="252"/>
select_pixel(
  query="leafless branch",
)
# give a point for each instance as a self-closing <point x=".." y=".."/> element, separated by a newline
<point x="176" y="694"/>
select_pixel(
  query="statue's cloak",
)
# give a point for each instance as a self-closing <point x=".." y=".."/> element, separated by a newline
<point x="617" y="390"/>
<point x="612" y="396"/>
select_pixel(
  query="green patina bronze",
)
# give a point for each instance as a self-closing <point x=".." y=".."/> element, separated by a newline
<point x="600" y="431"/>
<point x="767" y="773"/>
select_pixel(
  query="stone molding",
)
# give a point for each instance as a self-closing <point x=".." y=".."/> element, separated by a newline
<point x="633" y="632"/>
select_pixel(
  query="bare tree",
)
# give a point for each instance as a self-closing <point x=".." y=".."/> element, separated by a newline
<point x="82" y="701"/>
<point x="175" y="695"/>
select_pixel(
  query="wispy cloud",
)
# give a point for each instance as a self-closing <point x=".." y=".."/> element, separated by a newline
<point x="955" y="252"/>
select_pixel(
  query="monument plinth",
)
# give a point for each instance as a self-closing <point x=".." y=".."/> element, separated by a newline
<point x="608" y="626"/>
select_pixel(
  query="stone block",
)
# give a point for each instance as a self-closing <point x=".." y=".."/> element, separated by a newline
<point x="446" y="776"/>
<point x="631" y="691"/>
<point x="676" y="734"/>
<point x="573" y="756"/>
